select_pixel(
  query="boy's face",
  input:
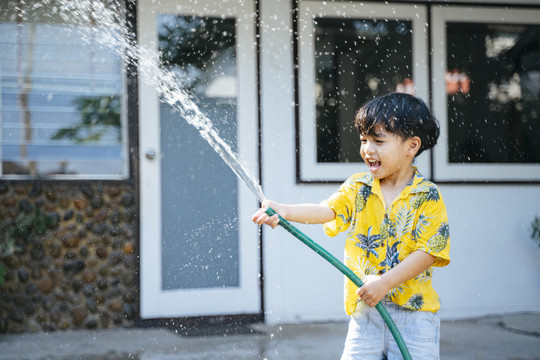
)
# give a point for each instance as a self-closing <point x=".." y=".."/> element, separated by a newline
<point x="387" y="155"/>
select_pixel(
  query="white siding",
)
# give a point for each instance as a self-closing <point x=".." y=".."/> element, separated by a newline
<point x="495" y="265"/>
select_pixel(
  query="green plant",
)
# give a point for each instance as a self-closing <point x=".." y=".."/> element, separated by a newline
<point x="3" y="271"/>
<point x="99" y="116"/>
<point x="16" y="232"/>
<point x="535" y="230"/>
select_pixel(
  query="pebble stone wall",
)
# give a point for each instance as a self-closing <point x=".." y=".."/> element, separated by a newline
<point x="82" y="272"/>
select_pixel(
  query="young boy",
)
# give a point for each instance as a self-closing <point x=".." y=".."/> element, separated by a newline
<point x="397" y="231"/>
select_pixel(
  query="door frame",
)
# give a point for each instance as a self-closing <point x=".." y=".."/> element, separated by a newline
<point x="245" y="299"/>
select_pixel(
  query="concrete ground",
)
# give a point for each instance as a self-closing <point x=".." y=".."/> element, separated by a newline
<point x="508" y="337"/>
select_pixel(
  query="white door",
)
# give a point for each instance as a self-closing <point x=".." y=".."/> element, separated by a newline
<point x="199" y="250"/>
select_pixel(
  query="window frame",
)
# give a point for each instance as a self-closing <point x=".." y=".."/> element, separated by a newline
<point x="308" y="169"/>
<point x="127" y="75"/>
<point x="443" y="170"/>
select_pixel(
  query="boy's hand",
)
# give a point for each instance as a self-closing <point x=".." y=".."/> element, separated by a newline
<point x="376" y="287"/>
<point x="261" y="217"/>
<point x="373" y="291"/>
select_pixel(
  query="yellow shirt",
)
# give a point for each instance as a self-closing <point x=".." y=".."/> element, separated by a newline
<point x="379" y="238"/>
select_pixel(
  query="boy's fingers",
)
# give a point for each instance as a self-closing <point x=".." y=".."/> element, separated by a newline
<point x="255" y="216"/>
<point x="273" y="221"/>
<point x="259" y="217"/>
<point x="362" y="295"/>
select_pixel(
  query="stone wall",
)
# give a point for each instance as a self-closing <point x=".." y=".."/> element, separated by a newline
<point x="78" y="265"/>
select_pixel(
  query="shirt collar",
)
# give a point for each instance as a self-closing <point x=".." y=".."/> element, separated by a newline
<point x="417" y="184"/>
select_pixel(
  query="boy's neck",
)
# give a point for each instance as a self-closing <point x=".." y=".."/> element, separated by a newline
<point x="393" y="185"/>
<point x="399" y="179"/>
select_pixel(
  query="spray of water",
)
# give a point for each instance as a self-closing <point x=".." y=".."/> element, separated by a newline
<point x="91" y="15"/>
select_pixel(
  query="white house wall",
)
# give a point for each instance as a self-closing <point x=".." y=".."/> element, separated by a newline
<point x="494" y="267"/>
<point x="495" y="264"/>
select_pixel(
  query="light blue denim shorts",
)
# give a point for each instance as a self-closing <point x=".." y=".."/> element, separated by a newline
<point x="370" y="339"/>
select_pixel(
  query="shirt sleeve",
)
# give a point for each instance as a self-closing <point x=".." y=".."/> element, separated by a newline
<point x="433" y="235"/>
<point x="342" y="202"/>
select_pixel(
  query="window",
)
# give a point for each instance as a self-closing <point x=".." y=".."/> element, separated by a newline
<point x="489" y="107"/>
<point x="354" y="63"/>
<point x="62" y="105"/>
<point x="202" y="50"/>
<point x="350" y="53"/>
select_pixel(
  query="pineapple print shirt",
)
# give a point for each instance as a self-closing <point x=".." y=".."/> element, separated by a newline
<point x="379" y="238"/>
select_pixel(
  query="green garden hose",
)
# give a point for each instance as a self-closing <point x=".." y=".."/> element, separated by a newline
<point x="347" y="272"/>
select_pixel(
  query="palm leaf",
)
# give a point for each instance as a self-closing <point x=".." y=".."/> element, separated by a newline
<point x="433" y="194"/>
<point x="363" y="267"/>
<point x="404" y="221"/>
<point x="421" y="224"/>
<point x="424" y="276"/>
<point x="395" y="291"/>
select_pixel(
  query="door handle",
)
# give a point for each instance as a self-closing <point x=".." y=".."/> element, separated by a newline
<point x="150" y="154"/>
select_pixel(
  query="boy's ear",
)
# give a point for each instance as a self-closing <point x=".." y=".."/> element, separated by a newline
<point x="414" y="145"/>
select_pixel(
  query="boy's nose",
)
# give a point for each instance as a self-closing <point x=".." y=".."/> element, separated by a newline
<point x="368" y="149"/>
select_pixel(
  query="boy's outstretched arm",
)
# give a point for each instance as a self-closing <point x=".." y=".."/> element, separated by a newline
<point x="376" y="287"/>
<point x="301" y="213"/>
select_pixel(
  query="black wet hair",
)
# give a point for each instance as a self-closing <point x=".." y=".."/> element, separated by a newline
<point x="401" y="114"/>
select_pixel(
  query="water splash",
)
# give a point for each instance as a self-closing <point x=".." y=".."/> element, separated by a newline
<point x="95" y="16"/>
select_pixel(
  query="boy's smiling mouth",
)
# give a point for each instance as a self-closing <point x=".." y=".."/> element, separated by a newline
<point x="373" y="165"/>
